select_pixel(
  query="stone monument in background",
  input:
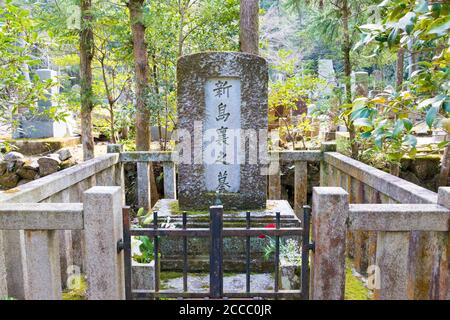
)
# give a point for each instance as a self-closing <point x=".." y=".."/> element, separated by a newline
<point x="326" y="72"/>
<point x="39" y="125"/>
<point x="222" y="130"/>
<point x="360" y="84"/>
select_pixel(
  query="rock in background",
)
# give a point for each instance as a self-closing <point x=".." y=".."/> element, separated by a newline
<point x="16" y="170"/>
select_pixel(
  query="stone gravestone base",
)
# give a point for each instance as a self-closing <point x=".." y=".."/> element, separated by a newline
<point x="143" y="275"/>
<point x="234" y="248"/>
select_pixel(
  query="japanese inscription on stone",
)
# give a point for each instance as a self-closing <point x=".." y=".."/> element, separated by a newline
<point x="221" y="137"/>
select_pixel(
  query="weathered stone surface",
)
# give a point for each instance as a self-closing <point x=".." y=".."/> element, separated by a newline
<point x="275" y="183"/>
<point x="19" y="164"/>
<point x="194" y="72"/>
<point x="64" y="154"/>
<point x="67" y="164"/>
<point x="409" y="176"/>
<point x="398" y="189"/>
<point x="170" y="181"/>
<point x="3" y="167"/>
<point x="9" y="180"/>
<point x="44" y="146"/>
<point x="45" y="187"/>
<point x="43" y="274"/>
<point x="13" y="156"/>
<point x="425" y="168"/>
<point x="301" y="186"/>
<point x="443" y="270"/>
<point x="31" y="165"/>
<point x="41" y="216"/>
<point x="143" y="276"/>
<point x="81" y="178"/>
<point x="3" y="280"/>
<point x="102" y="230"/>
<point x="329" y="213"/>
<point x="392" y="259"/>
<point x="23" y="181"/>
<point x="290" y="276"/>
<point x="28" y="174"/>
<point x="48" y="165"/>
<point x="398" y="217"/>
<point x="426" y="254"/>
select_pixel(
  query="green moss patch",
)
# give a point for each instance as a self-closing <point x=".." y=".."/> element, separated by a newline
<point x="354" y="287"/>
<point x="78" y="293"/>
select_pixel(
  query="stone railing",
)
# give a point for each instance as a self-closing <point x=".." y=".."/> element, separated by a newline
<point x="398" y="228"/>
<point x="300" y="160"/>
<point x="142" y="159"/>
<point x="68" y="187"/>
<point x="99" y="217"/>
<point x="387" y="225"/>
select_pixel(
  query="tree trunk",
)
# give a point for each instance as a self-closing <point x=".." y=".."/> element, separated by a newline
<point x="400" y="68"/>
<point x="86" y="56"/>
<point x="124" y="132"/>
<point x="141" y="73"/>
<point x="112" y="120"/>
<point x="249" y="26"/>
<point x="346" y="48"/>
<point x="143" y="138"/>
<point x="180" y="31"/>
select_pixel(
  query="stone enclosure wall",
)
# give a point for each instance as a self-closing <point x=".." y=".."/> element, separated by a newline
<point x="424" y="268"/>
<point x="67" y="186"/>
<point x="376" y="218"/>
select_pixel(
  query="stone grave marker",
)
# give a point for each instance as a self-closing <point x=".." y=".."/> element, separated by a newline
<point x="40" y="126"/>
<point x="222" y="130"/>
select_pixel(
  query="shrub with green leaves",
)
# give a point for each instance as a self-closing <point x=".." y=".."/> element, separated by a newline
<point x="422" y="29"/>
<point x="20" y="88"/>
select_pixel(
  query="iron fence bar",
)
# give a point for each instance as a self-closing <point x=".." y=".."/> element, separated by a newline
<point x="216" y="252"/>
<point x="247" y="252"/>
<point x="281" y="294"/>
<point x="227" y="232"/>
<point x="306" y="247"/>
<point x="185" y="260"/>
<point x="277" y="254"/>
<point x="127" y="251"/>
<point x="156" y="251"/>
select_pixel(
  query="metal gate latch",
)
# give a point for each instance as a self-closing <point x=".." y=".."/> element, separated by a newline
<point x="120" y="246"/>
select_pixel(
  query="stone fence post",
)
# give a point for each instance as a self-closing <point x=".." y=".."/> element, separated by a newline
<point x="103" y="229"/>
<point x="325" y="169"/>
<point x="3" y="282"/>
<point x="443" y="292"/>
<point x="119" y="174"/>
<point x="170" y="184"/>
<point x="274" y="179"/>
<point x="300" y="186"/>
<point x="43" y="271"/>
<point x="329" y="215"/>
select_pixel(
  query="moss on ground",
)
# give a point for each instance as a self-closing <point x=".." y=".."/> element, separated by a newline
<point x="77" y="293"/>
<point x="354" y="287"/>
<point x="169" y="275"/>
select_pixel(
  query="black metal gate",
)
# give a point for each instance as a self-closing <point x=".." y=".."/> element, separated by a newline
<point x="216" y="232"/>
